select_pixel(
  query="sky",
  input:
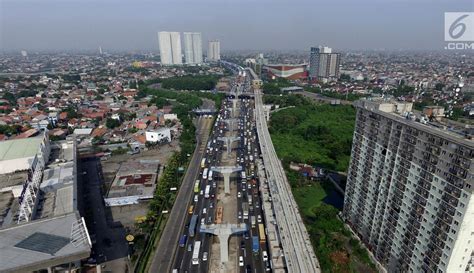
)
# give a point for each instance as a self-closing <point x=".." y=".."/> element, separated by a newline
<point x="132" y="25"/>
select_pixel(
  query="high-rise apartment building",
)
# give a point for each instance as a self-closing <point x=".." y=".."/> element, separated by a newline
<point x="170" y="48"/>
<point x="214" y="51"/>
<point x="192" y="47"/>
<point x="409" y="189"/>
<point x="323" y="64"/>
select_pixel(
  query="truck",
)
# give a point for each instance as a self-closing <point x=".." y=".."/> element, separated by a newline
<point x="261" y="233"/>
<point x="245" y="210"/>
<point x="219" y="212"/>
<point x="206" y="191"/>
<point x="255" y="245"/>
<point x="192" y="225"/>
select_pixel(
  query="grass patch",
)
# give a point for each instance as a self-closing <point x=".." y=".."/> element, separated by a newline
<point x="309" y="197"/>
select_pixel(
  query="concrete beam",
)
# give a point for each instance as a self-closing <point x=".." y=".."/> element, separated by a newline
<point x="226" y="171"/>
<point x="224" y="231"/>
<point x="228" y="141"/>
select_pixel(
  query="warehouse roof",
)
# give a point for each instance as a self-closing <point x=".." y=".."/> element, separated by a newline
<point x="43" y="243"/>
<point x="19" y="148"/>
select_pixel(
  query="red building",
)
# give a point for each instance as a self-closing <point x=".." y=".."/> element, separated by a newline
<point x="287" y="71"/>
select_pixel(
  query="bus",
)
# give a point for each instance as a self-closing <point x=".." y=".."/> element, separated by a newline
<point x="196" y="186"/>
<point x="209" y="175"/>
<point x="206" y="192"/>
<point x="203" y="163"/>
<point x="204" y="173"/>
<point x="182" y="241"/>
<point x="197" y="247"/>
<point x="192" y="225"/>
<point x="261" y="233"/>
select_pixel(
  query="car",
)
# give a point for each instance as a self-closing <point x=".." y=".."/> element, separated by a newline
<point x="248" y="269"/>
<point x="267" y="266"/>
<point x="190" y="247"/>
<point x="196" y="198"/>
<point x="242" y="244"/>
<point x="204" y="211"/>
<point x="240" y="215"/>
<point x="239" y="194"/>
<point x="203" y="221"/>
<point x="211" y="205"/>
<point x="204" y="256"/>
<point x="201" y="192"/>
<point x="209" y="219"/>
<point x="259" y="218"/>
<point x="241" y="261"/>
<point x="265" y="256"/>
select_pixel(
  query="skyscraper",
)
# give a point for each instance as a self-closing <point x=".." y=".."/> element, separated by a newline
<point x="214" y="51"/>
<point x="409" y="189"/>
<point x="323" y="64"/>
<point x="170" y="47"/>
<point x="192" y="47"/>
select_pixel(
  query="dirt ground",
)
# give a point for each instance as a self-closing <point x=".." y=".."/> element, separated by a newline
<point x="126" y="214"/>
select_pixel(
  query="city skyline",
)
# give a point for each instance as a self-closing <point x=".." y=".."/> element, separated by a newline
<point x="391" y="26"/>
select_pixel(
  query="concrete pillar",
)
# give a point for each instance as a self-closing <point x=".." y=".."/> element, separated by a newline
<point x="224" y="247"/>
<point x="226" y="182"/>
<point x="234" y="106"/>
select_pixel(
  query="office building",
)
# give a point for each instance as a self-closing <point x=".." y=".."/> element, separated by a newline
<point x="192" y="47"/>
<point x="170" y="48"/>
<point x="214" y="51"/>
<point x="323" y="64"/>
<point x="409" y="189"/>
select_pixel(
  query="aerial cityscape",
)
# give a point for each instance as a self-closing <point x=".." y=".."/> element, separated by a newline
<point x="236" y="136"/>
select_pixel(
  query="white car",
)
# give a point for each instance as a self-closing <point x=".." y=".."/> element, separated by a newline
<point x="204" y="211"/>
<point x="241" y="261"/>
<point x="259" y="218"/>
<point x="195" y="198"/>
<point x="204" y="256"/>
<point x="265" y="256"/>
<point x="239" y="195"/>
<point x="203" y="221"/>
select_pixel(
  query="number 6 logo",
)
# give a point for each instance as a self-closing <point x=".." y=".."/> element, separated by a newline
<point x="459" y="26"/>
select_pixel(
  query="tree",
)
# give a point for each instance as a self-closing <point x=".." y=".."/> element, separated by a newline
<point x="112" y="123"/>
<point x="439" y="86"/>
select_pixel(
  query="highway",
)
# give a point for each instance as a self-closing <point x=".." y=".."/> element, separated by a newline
<point x="243" y="205"/>
<point x="299" y="254"/>
<point x="164" y="253"/>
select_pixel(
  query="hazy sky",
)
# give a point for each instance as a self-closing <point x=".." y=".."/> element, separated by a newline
<point x="244" y="24"/>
